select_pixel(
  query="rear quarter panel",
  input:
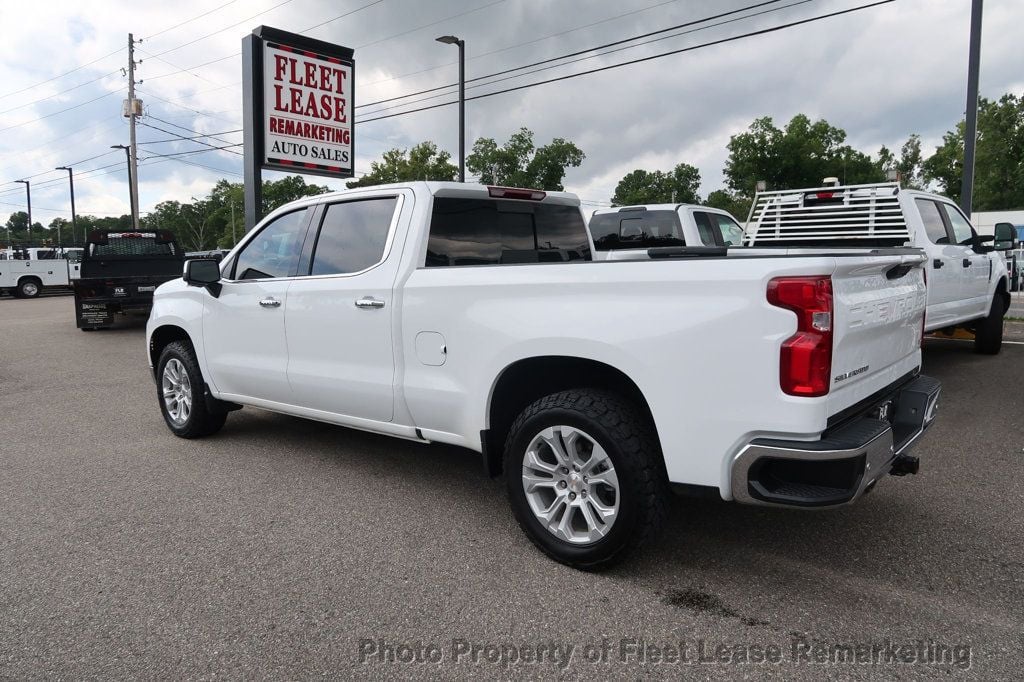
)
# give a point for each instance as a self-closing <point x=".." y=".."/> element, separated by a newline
<point x="698" y="338"/>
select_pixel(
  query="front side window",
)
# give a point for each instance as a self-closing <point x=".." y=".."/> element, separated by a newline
<point x="353" y="236"/>
<point x="933" y="224"/>
<point x="963" y="233"/>
<point x="635" y="230"/>
<point x="274" y="252"/>
<point x="493" y="232"/>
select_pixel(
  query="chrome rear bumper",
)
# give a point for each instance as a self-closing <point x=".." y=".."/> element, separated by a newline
<point x="846" y="463"/>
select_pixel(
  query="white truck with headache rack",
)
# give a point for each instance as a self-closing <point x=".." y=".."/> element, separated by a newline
<point x="968" y="282"/>
<point x="476" y="316"/>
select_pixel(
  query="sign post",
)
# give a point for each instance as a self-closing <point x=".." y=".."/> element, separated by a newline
<point x="298" y="106"/>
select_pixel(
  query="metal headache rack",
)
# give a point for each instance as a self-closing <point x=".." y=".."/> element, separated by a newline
<point x="838" y="214"/>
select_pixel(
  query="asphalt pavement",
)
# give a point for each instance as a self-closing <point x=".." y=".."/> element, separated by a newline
<point x="282" y="548"/>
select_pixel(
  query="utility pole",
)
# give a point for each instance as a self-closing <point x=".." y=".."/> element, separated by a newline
<point x="234" y="239"/>
<point x="74" y="219"/>
<point x="28" y="198"/>
<point x="971" y="133"/>
<point x="461" y="44"/>
<point x="133" y="156"/>
<point x="131" y="182"/>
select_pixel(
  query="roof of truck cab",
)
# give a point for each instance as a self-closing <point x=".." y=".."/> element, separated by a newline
<point x="656" y="207"/>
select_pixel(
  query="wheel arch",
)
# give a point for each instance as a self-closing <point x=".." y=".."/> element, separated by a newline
<point x="529" y="379"/>
<point x="163" y="336"/>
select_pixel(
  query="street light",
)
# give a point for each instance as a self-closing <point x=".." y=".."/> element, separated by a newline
<point x="452" y="40"/>
<point x="28" y="198"/>
<point x="128" y="158"/>
<point x="74" y="219"/>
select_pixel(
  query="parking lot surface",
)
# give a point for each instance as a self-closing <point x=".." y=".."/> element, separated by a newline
<point x="285" y="548"/>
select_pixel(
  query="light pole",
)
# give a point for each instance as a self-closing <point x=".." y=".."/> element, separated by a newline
<point x="971" y="115"/>
<point x="74" y="218"/>
<point x="28" y="198"/>
<point x="131" y="194"/>
<point x="452" y="40"/>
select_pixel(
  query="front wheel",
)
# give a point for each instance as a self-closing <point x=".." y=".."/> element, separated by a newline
<point x="29" y="288"/>
<point x="585" y="477"/>
<point x="988" y="335"/>
<point x="180" y="390"/>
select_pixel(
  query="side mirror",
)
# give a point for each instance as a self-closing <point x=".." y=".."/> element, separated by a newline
<point x="1006" y="237"/>
<point x="203" y="272"/>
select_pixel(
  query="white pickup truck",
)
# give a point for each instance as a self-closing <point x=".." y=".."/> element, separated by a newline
<point x="968" y="282"/>
<point x="475" y="316"/>
<point x="627" y="232"/>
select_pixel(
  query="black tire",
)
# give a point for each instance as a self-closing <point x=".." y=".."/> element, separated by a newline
<point x="29" y="287"/>
<point x="988" y="334"/>
<point x="200" y="421"/>
<point x="628" y="439"/>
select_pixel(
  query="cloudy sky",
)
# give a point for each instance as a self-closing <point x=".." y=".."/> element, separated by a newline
<point x="880" y="73"/>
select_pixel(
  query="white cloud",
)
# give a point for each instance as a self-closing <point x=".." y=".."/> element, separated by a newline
<point x="881" y="74"/>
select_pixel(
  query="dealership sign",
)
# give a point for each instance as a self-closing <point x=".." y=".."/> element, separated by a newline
<point x="299" y="103"/>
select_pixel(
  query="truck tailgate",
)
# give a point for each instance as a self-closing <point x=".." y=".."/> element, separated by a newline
<point x="879" y="306"/>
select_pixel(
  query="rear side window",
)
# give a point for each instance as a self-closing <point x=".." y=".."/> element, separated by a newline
<point x="933" y="224"/>
<point x="132" y="244"/>
<point x="500" y="232"/>
<point x="353" y="236"/>
<point x="274" y="252"/>
<point x="635" y="230"/>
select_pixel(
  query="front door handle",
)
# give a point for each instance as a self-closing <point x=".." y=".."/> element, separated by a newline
<point x="938" y="263"/>
<point x="369" y="302"/>
<point x="967" y="262"/>
<point x="270" y="303"/>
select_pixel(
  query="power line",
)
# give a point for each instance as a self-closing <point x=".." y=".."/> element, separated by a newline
<point x="579" y="52"/>
<point x="600" y="54"/>
<point x="226" y="28"/>
<point x="637" y="61"/>
<point x="197" y="141"/>
<point x="189" y="21"/>
<point x="54" y="113"/>
<point x="177" y="125"/>
<point x="180" y="138"/>
<point x="528" y="42"/>
<point x="61" y="75"/>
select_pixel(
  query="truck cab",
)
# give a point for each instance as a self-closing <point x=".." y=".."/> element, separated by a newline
<point x="627" y="232"/>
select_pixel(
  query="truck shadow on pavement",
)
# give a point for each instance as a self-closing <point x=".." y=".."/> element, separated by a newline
<point x="905" y="536"/>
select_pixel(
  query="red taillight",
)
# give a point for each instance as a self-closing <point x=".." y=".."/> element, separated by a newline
<point x="515" y="193"/>
<point x="825" y="195"/>
<point x="805" y="361"/>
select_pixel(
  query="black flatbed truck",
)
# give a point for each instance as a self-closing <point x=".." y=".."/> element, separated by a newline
<point x="120" y="270"/>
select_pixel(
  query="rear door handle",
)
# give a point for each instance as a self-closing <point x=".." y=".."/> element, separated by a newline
<point x="369" y="302"/>
<point x="270" y="303"/>
<point x="967" y="262"/>
<point x="938" y="263"/>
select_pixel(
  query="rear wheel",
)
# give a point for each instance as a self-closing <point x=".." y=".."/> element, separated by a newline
<point x="988" y="335"/>
<point x="181" y="392"/>
<point x="585" y="477"/>
<point x="29" y="287"/>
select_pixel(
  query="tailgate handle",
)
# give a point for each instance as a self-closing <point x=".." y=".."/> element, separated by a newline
<point x="897" y="271"/>
<point x="938" y="263"/>
<point x="967" y="262"/>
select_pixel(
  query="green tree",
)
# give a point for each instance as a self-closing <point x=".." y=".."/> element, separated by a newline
<point x="735" y="204"/>
<point x="909" y="165"/>
<point x="422" y="162"/>
<point x="289" y="188"/>
<point x="999" y="157"/>
<point x="800" y="155"/>
<point x="519" y="163"/>
<point x="657" y="187"/>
